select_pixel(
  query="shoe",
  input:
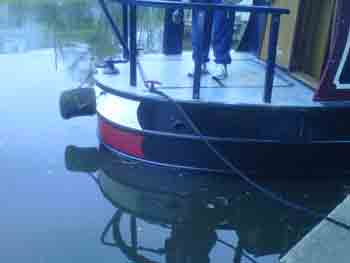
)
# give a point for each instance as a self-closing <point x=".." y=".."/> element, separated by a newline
<point x="220" y="72"/>
<point x="205" y="70"/>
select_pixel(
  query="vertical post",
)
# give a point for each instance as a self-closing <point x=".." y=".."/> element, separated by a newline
<point x="238" y="253"/>
<point x="174" y="29"/>
<point x="198" y="58"/>
<point x="125" y="29"/>
<point x="232" y="21"/>
<point x="133" y="44"/>
<point x="271" y="60"/>
<point x="113" y="25"/>
<point x="232" y="16"/>
<point x="133" y="230"/>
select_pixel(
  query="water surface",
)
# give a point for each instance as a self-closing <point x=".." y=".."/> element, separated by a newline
<point x="56" y="200"/>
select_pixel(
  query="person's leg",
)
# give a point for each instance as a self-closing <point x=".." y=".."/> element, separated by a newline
<point x="198" y="39"/>
<point x="222" y="36"/>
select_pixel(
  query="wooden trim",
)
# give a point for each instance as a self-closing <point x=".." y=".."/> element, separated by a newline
<point x="311" y="41"/>
<point x="327" y="89"/>
<point x="286" y="34"/>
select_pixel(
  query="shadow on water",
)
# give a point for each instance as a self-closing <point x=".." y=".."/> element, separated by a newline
<point x="165" y="215"/>
<point x="144" y="214"/>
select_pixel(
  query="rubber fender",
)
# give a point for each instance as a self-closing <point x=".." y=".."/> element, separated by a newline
<point x="78" y="102"/>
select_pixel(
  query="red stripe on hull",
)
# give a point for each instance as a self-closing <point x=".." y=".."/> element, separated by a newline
<point x="122" y="141"/>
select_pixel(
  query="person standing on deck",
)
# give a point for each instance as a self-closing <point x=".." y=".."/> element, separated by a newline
<point x="218" y="31"/>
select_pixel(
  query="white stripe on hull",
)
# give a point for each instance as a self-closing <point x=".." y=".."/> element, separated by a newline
<point x="343" y="60"/>
<point x="118" y="110"/>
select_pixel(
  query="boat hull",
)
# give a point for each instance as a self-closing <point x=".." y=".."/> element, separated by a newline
<point x="260" y="141"/>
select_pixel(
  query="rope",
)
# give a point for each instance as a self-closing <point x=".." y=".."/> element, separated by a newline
<point x="150" y="85"/>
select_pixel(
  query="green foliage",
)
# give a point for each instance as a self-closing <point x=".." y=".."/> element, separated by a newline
<point x="81" y="21"/>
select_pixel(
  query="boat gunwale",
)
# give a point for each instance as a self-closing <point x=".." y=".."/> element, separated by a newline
<point x="318" y="106"/>
<point x="255" y="9"/>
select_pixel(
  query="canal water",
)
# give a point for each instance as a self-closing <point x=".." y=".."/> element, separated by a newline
<point x="64" y="199"/>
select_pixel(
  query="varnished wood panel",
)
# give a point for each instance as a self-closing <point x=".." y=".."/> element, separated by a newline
<point x="286" y="34"/>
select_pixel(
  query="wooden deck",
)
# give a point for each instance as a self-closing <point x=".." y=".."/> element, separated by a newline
<point x="243" y="86"/>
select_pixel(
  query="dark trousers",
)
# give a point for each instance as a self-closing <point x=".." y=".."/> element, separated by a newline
<point x="218" y="30"/>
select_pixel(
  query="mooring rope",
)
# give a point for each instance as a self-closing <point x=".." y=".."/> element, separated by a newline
<point x="150" y="85"/>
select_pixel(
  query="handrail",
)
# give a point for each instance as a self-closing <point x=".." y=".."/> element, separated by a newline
<point x="115" y="28"/>
<point x="130" y="22"/>
<point x="191" y="5"/>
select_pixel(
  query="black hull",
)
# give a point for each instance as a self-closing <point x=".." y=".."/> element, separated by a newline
<point x="254" y="159"/>
<point x="261" y="141"/>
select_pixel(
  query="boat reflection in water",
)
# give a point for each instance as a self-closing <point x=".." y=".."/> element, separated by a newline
<point x="198" y="218"/>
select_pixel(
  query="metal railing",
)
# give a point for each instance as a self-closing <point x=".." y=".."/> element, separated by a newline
<point x="129" y="44"/>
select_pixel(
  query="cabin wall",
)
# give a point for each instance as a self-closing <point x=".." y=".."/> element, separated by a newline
<point x="304" y="37"/>
<point x="312" y="37"/>
<point x="321" y="40"/>
<point x="286" y="34"/>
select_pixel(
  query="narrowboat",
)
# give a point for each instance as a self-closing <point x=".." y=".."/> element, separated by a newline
<point x="191" y="218"/>
<point x="283" y="109"/>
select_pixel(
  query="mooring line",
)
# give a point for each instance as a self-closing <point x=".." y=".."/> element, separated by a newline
<point x="150" y="85"/>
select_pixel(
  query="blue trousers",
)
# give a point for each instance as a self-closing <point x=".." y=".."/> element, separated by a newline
<point x="218" y="30"/>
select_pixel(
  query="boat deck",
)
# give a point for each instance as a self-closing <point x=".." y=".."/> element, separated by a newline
<point x="245" y="84"/>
